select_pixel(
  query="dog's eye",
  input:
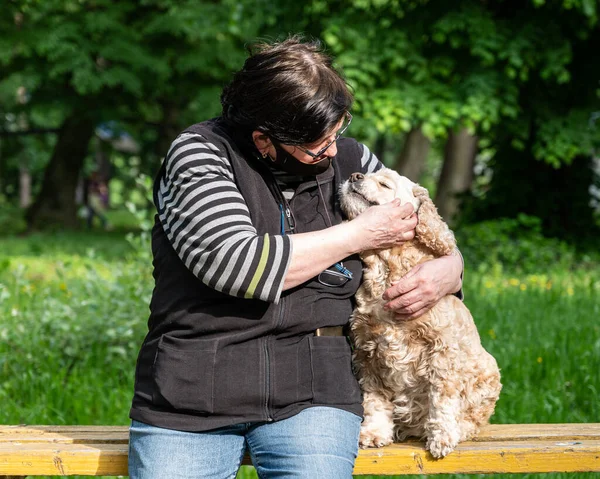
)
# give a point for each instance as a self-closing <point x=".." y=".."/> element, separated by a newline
<point x="385" y="185"/>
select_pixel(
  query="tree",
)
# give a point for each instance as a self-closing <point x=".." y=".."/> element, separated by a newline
<point x="411" y="161"/>
<point x="471" y="69"/>
<point x="93" y="61"/>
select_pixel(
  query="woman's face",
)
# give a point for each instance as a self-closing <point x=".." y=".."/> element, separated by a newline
<point x="327" y="144"/>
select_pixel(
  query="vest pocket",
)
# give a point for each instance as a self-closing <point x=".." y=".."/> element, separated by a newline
<point x="184" y="374"/>
<point x="290" y="368"/>
<point x="333" y="379"/>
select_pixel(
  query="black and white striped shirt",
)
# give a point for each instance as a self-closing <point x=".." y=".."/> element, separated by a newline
<point x="208" y="223"/>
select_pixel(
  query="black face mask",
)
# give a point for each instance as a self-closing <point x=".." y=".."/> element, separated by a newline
<point x="286" y="162"/>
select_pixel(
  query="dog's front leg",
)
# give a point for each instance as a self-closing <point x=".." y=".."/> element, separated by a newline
<point x="442" y="427"/>
<point x="377" y="428"/>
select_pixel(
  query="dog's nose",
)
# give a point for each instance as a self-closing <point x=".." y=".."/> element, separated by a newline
<point x="354" y="177"/>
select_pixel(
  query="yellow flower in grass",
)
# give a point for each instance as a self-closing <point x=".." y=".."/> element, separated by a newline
<point x="492" y="333"/>
<point x="522" y="286"/>
<point x="570" y="291"/>
<point x="63" y="286"/>
<point x="514" y="282"/>
<point x="488" y="284"/>
<point x="28" y="288"/>
<point x="549" y="285"/>
<point x="539" y="359"/>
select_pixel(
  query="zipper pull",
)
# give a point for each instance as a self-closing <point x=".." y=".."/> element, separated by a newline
<point x="288" y="213"/>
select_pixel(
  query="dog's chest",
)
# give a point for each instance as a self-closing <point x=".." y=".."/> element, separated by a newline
<point x="399" y="354"/>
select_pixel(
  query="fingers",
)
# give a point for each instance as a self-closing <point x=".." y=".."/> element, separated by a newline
<point x="405" y="210"/>
<point x="409" y="282"/>
<point x="387" y="225"/>
<point x="406" y="228"/>
<point x="406" y="303"/>
<point x="421" y="310"/>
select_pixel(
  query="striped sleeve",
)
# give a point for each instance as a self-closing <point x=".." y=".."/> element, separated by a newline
<point x="369" y="163"/>
<point x="207" y="221"/>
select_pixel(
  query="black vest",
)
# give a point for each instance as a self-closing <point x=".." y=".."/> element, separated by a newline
<point x="211" y="360"/>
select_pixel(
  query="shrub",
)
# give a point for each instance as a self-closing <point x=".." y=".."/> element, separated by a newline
<point x="12" y="218"/>
<point x="516" y="244"/>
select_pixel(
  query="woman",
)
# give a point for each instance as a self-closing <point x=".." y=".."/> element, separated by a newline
<point x="255" y="273"/>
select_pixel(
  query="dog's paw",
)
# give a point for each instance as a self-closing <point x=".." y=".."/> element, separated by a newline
<point x="440" y="445"/>
<point x="374" y="438"/>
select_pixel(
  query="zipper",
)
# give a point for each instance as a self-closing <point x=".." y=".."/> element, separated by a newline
<point x="267" y="380"/>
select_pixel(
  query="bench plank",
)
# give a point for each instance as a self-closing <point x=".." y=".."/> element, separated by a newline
<point x="481" y="457"/>
<point x="507" y="448"/>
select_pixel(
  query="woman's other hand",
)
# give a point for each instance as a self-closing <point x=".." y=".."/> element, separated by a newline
<point x="423" y="286"/>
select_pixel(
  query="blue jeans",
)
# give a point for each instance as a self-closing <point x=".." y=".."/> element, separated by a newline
<point x="318" y="442"/>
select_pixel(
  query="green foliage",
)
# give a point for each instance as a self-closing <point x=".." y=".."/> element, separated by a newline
<point x="513" y="245"/>
<point x="561" y="139"/>
<point x="443" y="65"/>
<point x="510" y="71"/>
<point x="70" y="327"/>
<point x="144" y="214"/>
<point x="137" y="64"/>
<point x="12" y="219"/>
<point x="560" y="197"/>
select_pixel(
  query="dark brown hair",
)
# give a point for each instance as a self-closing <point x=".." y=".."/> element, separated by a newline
<point x="288" y="90"/>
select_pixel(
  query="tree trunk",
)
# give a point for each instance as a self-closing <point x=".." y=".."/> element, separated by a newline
<point x="24" y="186"/>
<point x="412" y="159"/>
<point x="55" y="204"/>
<point x="457" y="172"/>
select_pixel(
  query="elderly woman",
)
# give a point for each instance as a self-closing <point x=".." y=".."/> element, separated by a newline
<point x="255" y="273"/>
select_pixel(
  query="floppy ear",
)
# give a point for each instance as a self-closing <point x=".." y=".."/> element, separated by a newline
<point x="431" y="229"/>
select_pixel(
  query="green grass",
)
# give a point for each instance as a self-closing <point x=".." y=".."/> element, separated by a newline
<point x="74" y="308"/>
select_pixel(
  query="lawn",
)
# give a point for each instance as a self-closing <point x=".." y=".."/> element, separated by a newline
<point x="75" y="305"/>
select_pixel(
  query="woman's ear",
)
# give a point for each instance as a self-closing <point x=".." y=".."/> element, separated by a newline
<point x="431" y="229"/>
<point x="262" y="142"/>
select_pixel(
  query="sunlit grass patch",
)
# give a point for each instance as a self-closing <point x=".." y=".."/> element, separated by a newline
<point x="74" y="309"/>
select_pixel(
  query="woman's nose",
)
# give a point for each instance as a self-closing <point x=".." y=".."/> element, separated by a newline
<point x="331" y="151"/>
<point x="354" y="177"/>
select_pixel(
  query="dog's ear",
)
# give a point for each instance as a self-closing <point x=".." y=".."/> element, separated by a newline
<point x="431" y="229"/>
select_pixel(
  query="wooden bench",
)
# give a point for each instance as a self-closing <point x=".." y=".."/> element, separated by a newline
<point x="508" y="448"/>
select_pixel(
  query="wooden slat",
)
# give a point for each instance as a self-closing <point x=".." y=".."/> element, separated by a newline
<point x="523" y="432"/>
<point x="480" y="457"/>
<point x="92" y="437"/>
<point x="23" y="430"/>
<point x="102" y="450"/>
<point x="63" y="459"/>
<point x="120" y="434"/>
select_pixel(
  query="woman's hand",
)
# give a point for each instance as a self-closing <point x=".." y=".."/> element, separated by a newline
<point x="423" y="286"/>
<point x="384" y="226"/>
<point x="380" y="226"/>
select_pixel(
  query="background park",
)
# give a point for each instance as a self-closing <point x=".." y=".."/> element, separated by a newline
<point x="494" y="105"/>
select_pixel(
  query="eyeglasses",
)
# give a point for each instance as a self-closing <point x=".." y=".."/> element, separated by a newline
<point x="340" y="132"/>
<point x="335" y="276"/>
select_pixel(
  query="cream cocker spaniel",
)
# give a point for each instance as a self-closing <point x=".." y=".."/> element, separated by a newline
<point x="430" y="377"/>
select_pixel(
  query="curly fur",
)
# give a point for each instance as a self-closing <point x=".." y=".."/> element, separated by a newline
<point x="430" y="377"/>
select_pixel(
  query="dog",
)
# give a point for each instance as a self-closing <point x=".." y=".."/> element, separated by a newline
<point x="429" y="377"/>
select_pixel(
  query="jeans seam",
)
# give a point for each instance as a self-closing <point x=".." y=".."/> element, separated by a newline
<point x="241" y="458"/>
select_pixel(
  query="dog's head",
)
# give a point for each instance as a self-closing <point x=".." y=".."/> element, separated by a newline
<point x="361" y="191"/>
